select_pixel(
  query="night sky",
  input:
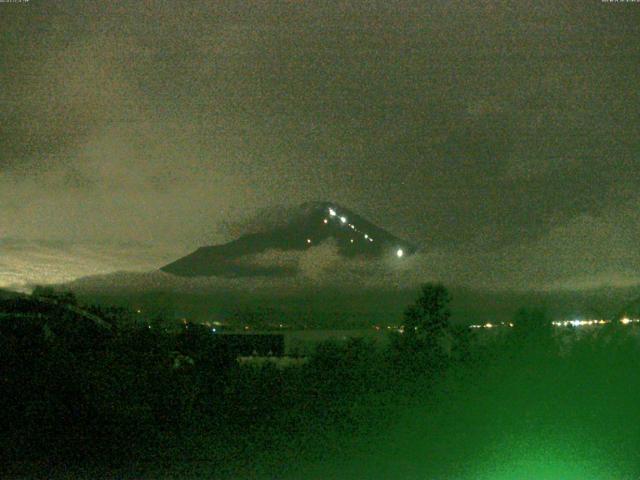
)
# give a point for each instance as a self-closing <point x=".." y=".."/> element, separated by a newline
<point x="501" y="137"/>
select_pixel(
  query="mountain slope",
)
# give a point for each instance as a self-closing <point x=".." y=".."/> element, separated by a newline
<point x="310" y="225"/>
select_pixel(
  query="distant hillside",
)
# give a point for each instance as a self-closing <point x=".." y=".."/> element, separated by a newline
<point x="296" y="303"/>
<point x="6" y="294"/>
<point x="32" y="318"/>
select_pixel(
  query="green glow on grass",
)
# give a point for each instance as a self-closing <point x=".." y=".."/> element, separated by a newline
<point x="545" y="459"/>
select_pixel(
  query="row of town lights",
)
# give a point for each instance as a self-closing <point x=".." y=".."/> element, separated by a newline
<point x="491" y="325"/>
<point x="582" y="323"/>
<point x="578" y="323"/>
<point x="565" y="323"/>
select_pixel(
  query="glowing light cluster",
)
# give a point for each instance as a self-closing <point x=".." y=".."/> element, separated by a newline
<point x="491" y="325"/>
<point x="627" y="320"/>
<point x="344" y="221"/>
<point x="565" y="323"/>
<point x="579" y="323"/>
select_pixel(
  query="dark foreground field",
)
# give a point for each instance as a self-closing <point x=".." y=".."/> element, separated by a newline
<point x="527" y="403"/>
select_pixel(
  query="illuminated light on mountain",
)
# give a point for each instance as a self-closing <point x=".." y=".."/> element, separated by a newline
<point x="259" y="252"/>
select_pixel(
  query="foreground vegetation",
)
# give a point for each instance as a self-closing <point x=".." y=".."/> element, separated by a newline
<point x="435" y="403"/>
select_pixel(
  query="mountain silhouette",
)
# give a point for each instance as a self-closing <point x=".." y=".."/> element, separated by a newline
<point x="306" y="227"/>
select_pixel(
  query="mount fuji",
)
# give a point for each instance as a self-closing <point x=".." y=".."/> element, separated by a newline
<point x="309" y="225"/>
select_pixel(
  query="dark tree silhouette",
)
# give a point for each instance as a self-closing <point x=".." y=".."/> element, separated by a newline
<point x="428" y="318"/>
<point x="532" y="335"/>
<point x="531" y="323"/>
<point x="422" y="344"/>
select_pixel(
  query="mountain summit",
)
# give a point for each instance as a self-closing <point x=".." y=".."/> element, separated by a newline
<point x="308" y="226"/>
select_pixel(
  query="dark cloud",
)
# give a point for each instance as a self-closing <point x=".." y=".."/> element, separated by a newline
<point x="479" y="127"/>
